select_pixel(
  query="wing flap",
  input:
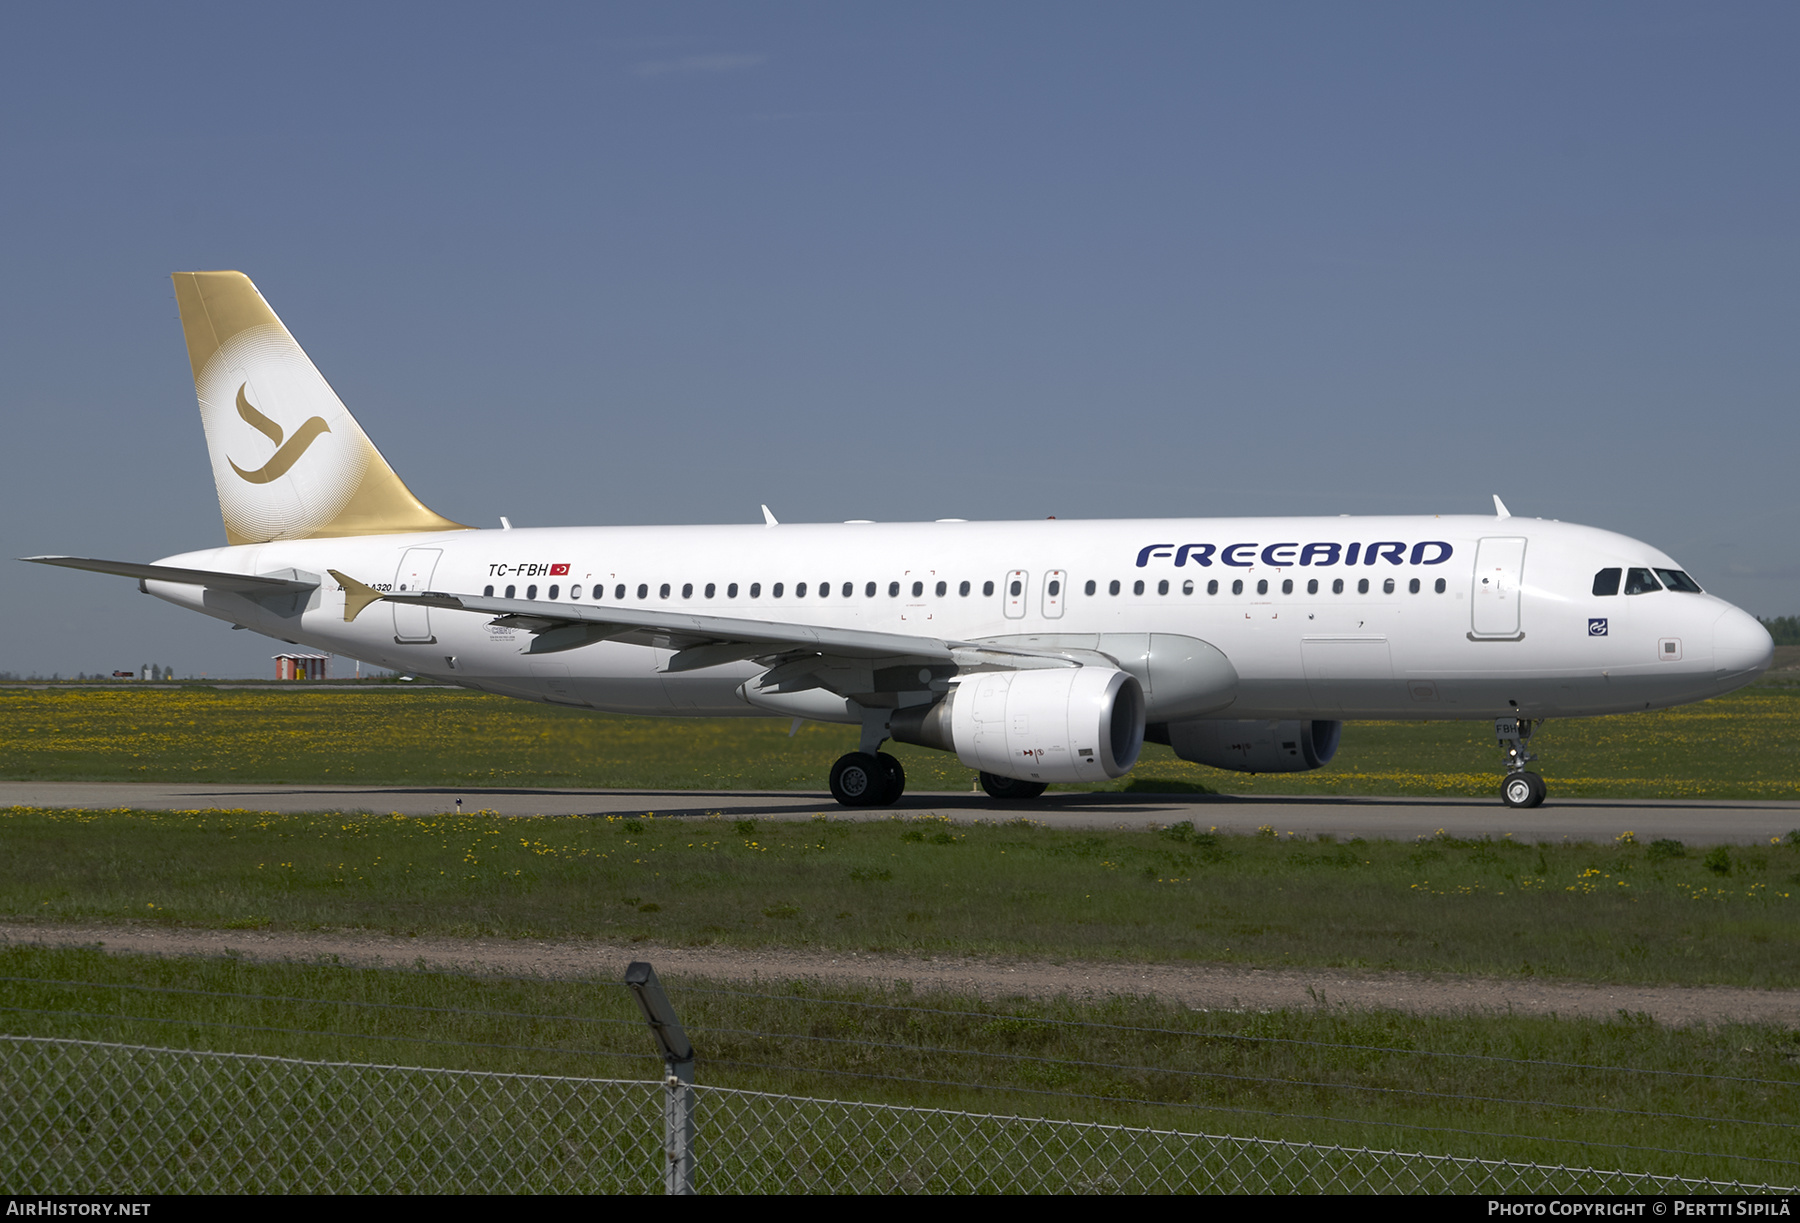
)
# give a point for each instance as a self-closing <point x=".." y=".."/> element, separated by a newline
<point x="683" y="630"/>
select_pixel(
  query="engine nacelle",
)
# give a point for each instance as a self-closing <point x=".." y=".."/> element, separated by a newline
<point x="1056" y="724"/>
<point x="1253" y="746"/>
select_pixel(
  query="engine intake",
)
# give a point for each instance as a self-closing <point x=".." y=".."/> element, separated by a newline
<point x="1057" y="724"/>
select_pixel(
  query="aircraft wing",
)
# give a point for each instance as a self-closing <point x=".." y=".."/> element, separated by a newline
<point x="243" y="583"/>
<point x="709" y="641"/>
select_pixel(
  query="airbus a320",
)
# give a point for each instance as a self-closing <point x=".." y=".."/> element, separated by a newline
<point x="1038" y="652"/>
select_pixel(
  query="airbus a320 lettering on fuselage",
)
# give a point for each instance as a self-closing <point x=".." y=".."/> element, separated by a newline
<point x="1037" y="652"/>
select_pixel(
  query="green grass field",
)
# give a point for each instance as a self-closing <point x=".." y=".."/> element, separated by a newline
<point x="1742" y="746"/>
<point x="1623" y="1093"/>
<point x="1716" y="1101"/>
<point x="1619" y="912"/>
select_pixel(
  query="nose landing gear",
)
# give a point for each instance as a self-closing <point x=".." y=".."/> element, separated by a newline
<point x="1520" y="787"/>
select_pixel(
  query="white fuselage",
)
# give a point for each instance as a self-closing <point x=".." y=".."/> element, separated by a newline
<point x="1515" y="629"/>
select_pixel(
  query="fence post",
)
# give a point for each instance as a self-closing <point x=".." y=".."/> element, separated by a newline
<point x="678" y="1076"/>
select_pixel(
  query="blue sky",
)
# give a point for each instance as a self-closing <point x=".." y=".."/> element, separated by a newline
<point x="659" y="263"/>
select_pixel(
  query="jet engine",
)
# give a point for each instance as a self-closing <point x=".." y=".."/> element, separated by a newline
<point x="1055" y="724"/>
<point x="1252" y="746"/>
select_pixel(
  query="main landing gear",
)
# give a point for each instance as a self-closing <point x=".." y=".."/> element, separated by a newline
<point x="867" y="779"/>
<point x="1010" y="787"/>
<point x="1520" y="788"/>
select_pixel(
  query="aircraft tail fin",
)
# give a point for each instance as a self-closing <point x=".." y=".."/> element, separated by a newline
<point x="288" y="459"/>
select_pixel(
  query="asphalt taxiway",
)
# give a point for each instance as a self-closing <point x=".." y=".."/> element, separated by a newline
<point x="1694" y="822"/>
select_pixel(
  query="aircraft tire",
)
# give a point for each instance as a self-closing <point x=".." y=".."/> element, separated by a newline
<point x="859" y="780"/>
<point x="1523" y="790"/>
<point x="894" y="776"/>
<point x="1010" y="788"/>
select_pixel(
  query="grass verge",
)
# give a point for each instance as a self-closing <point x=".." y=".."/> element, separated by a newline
<point x="1624" y="912"/>
<point x="1742" y="746"/>
<point x="1624" y="1094"/>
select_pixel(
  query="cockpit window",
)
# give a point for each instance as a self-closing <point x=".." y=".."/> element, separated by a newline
<point x="1639" y="581"/>
<point x="1675" y="579"/>
<point x="1606" y="582"/>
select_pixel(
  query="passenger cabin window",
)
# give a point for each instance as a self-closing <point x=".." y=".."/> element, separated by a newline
<point x="619" y="591"/>
<point x="1262" y="586"/>
<point x="963" y="590"/>
<point x="1312" y="586"/>
<point x="756" y="590"/>
<point x="531" y="591"/>
<point x="987" y="590"/>
<point x="775" y="590"/>
<point x="487" y="592"/>
<point x="1018" y="588"/>
<point x="1639" y="582"/>
<point x="799" y="590"/>
<point x="711" y="590"/>
<point x="1162" y="587"/>
<point x="663" y="591"/>
<point x="893" y="590"/>
<point x="687" y="590"/>
<point x="869" y="591"/>
<point x="1112" y="587"/>
<point x="1675" y="579"/>
<point x="1387" y="587"/>
<point x="1337" y="586"/>
<point x="1287" y="586"/>
<point x="1362" y="586"/>
<point x="943" y="588"/>
<point x="1606" y="582"/>
<point x="1137" y="587"/>
<point x="850" y="589"/>
<point x="1187" y="587"/>
<point x="553" y="591"/>
<point x="731" y="591"/>
<point x="1237" y="586"/>
<point x="1439" y="586"/>
<point x="918" y="590"/>
<point x="1212" y="587"/>
<point x="1413" y="586"/>
<point x="1091" y="586"/>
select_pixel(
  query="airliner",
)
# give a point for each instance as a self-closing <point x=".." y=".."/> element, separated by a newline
<point x="1038" y="652"/>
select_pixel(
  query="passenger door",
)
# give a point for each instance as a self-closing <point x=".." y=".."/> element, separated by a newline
<point x="1499" y="579"/>
<point x="412" y="623"/>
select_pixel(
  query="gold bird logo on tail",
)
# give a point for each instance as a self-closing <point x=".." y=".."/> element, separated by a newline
<point x="285" y="456"/>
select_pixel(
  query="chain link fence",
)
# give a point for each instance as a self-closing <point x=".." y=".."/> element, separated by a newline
<point x="96" y="1117"/>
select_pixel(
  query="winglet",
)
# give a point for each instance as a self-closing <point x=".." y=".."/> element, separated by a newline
<point x="1500" y="510"/>
<point x="356" y="595"/>
<point x="769" y="518"/>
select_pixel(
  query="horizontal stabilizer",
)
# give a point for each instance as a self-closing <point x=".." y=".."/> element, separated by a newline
<point x="243" y="583"/>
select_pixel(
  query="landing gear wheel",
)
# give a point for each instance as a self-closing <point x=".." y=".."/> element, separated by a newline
<point x="893" y="775"/>
<point x="859" y="780"/>
<point x="1010" y="788"/>
<point x="1523" y="790"/>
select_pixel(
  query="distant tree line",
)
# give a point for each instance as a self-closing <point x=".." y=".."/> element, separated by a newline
<point x="1784" y="629"/>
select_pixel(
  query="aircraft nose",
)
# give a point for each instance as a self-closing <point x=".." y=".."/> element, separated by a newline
<point x="1741" y="645"/>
